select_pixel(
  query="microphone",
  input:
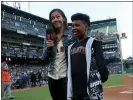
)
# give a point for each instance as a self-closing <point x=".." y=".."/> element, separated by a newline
<point x="51" y="36"/>
<point x="49" y="33"/>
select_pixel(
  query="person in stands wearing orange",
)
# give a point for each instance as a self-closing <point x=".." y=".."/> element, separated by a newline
<point x="6" y="82"/>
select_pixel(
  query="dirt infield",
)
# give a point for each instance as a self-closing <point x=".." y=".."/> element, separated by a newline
<point x="124" y="92"/>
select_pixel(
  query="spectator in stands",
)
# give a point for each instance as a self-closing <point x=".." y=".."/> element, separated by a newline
<point x="58" y="64"/>
<point x="24" y="80"/>
<point x="33" y="79"/>
<point x="6" y="81"/>
<point x="28" y="76"/>
<point x="39" y="77"/>
<point x="85" y="77"/>
<point x="100" y="36"/>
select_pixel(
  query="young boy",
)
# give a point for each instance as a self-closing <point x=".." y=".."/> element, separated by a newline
<point x="86" y="64"/>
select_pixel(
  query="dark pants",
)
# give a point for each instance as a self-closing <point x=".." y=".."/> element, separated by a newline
<point x="40" y="82"/>
<point x="81" y="97"/>
<point x="33" y="83"/>
<point x="58" y="88"/>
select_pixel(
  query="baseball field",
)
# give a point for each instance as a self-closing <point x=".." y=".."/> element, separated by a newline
<point x="118" y="87"/>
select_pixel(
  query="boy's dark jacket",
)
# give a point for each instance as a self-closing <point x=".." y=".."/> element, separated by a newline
<point x="97" y="71"/>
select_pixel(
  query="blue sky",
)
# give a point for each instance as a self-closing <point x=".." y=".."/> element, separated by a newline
<point x="122" y="11"/>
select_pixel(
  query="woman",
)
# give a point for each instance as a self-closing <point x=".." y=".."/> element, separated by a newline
<point x="57" y="54"/>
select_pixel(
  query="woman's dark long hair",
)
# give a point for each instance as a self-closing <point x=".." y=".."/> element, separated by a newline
<point x="62" y="14"/>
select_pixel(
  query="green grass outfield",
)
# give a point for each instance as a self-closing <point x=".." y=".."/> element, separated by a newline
<point x="43" y="92"/>
<point x="33" y="94"/>
<point x="114" y="80"/>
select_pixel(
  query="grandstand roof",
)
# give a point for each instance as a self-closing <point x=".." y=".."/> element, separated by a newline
<point x="129" y="61"/>
<point x="100" y="21"/>
<point x="27" y="15"/>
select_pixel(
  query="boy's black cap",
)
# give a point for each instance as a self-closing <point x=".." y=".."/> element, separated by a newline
<point x="81" y="16"/>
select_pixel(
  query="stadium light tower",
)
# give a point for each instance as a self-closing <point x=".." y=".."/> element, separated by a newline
<point x="17" y="5"/>
<point x="29" y="6"/>
<point x="4" y="2"/>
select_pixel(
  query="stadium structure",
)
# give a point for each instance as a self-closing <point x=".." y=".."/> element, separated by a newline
<point x="128" y="65"/>
<point x="22" y="37"/>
